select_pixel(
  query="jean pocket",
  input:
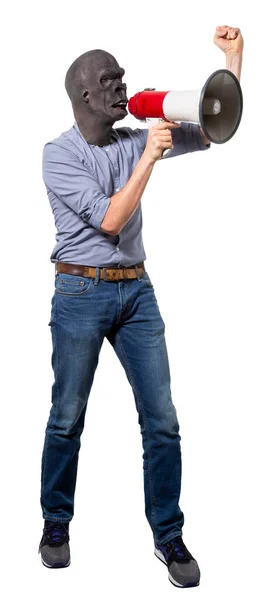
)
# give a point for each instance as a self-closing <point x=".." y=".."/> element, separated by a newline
<point x="72" y="285"/>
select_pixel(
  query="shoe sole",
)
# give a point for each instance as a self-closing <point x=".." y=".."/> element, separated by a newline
<point x="161" y="557"/>
<point x="56" y="565"/>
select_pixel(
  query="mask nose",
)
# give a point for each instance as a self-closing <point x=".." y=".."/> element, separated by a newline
<point x="120" y="86"/>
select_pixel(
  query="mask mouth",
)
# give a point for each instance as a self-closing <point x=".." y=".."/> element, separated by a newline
<point x="120" y="104"/>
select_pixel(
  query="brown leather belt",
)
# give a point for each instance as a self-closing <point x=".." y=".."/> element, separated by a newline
<point x="106" y="273"/>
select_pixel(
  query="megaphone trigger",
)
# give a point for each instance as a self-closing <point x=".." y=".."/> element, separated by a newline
<point x="153" y="121"/>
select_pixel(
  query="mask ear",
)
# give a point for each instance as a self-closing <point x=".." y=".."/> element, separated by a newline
<point x="85" y="96"/>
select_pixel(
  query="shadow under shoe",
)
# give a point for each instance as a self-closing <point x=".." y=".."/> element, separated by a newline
<point x="183" y="570"/>
<point x="54" y="545"/>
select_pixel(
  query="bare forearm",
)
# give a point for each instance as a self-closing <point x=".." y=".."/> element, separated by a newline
<point x="234" y="64"/>
<point x="205" y="139"/>
<point x="124" y="203"/>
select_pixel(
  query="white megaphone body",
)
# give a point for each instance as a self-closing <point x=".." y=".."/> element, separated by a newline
<point x="217" y="107"/>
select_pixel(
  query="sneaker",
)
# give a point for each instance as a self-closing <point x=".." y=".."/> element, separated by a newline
<point x="183" y="570"/>
<point x="54" y="545"/>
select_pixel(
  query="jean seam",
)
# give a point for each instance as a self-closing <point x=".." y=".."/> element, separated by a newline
<point x="54" y="313"/>
<point x="120" y="304"/>
<point x="57" y="346"/>
<point x="146" y="430"/>
<point x="58" y="390"/>
<point x="168" y="538"/>
<point x="44" y="461"/>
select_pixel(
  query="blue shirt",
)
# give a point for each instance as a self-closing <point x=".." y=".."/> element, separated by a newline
<point x="80" y="178"/>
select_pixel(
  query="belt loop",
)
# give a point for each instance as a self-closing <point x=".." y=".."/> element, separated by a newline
<point x="97" y="277"/>
<point x="137" y="273"/>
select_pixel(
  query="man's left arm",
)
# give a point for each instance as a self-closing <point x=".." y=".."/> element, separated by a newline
<point x="190" y="137"/>
<point x="230" y="41"/>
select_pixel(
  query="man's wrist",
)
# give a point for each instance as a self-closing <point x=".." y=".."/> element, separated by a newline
<point x="147" y="160"/>
<point x="204" y="138"/>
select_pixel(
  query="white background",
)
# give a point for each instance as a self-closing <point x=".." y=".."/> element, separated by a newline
<point x="209" y="235"/>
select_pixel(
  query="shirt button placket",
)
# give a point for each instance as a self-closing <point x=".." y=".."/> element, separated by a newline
<point x="117" y="185"/>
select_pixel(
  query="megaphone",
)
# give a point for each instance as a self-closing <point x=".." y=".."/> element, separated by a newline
<point x="217" y="107"/>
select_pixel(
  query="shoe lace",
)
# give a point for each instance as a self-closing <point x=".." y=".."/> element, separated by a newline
<point x="177" y="550"/>
<point x="56" y="534"/>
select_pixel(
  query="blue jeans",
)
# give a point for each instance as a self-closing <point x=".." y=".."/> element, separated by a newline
<point x="85" y="311"/>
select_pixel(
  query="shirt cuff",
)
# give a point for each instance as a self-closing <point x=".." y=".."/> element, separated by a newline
<point x="98" y="212"/>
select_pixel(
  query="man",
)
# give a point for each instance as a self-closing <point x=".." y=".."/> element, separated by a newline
<point x="95" y="176"/>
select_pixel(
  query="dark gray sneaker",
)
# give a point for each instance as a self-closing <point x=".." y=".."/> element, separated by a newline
<point x="54" y="545"/>
<point x="183" y="570"/>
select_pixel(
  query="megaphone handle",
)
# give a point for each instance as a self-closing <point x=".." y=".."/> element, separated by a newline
<point x="153" y="121"/>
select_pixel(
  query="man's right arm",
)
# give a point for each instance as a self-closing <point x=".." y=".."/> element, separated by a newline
<point x="124" y="203"/>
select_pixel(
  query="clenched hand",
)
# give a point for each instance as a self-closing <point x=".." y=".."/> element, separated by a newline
<point x="229" y="39"/>
<point x="159" y="138"/>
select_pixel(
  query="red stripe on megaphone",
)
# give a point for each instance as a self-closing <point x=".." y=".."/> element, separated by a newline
<point x="147" y="104"/>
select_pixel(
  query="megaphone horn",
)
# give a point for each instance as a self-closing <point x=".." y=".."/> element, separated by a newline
<point x="217" y="107"/>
